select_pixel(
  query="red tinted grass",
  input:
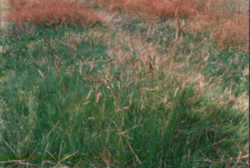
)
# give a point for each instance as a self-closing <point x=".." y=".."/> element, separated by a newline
<point x="227" y="28"/>
<point x="155" y="7"/>
<point x="49" y="12"/>
<point x="233" y="31"/>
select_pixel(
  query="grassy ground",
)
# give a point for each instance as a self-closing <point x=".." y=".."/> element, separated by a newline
<point x="124" y="92"/>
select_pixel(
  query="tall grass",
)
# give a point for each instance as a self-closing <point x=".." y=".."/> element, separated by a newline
<point x="224" y="20"/>
<point x="194" y="54"/>
<point x="80" y="95"/>
<point x="67" y="101"/>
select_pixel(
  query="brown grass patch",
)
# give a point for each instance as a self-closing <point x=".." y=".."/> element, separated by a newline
<point x="156" y="7"/>
<point x="49" y="12"/>
<point x="233" y="32"/>
<point x="223" y="19"/>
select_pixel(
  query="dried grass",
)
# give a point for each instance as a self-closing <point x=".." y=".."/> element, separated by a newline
<point x="50" y="12"/>
<point x="233" y="31"/>
<point x="223" y="19"/>
<point x="227" y="26"/>
<point x="156" y="7"/>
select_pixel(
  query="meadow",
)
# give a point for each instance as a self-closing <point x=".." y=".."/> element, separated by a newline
<point x="121" y="83"/>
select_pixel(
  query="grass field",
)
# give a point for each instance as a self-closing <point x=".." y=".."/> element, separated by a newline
<point x="96" y="85"/>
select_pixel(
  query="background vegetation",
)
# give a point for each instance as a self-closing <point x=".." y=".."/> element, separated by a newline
<point x="116" y="84"/>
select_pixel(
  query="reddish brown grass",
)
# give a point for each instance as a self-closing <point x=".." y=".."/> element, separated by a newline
<point x="227" y="28"/>
<point x="232" y="32"/>
<point x="50" y="12"/>
<point x="156" y="7"/>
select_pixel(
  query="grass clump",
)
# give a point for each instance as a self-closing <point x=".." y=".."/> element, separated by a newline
<point x="67" y="100"/>
<point x="193" y="52"/>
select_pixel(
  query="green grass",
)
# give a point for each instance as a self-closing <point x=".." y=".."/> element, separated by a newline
<point x="197" y="49"/>
<point x="68" y="97"/>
